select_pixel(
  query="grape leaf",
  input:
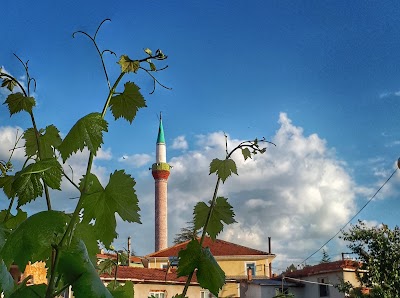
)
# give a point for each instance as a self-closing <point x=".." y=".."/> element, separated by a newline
<point x="127" y="103"/>
<point x="102" y="204"/>
<point x="13" y="221"/>
<point x="9" y="83"/>
<point x="223" y="168"/>
<point x="6" y="184"/>
<point x="48" y="140"/>
<point x="27" y="184"/>
<point x="32" y="291"/>
<point x="209" y="274"/>
<point x="87" y="233"/>
<point x="148" y="51"/>
<point x="33" y="238"/>
<point x="122" y="291"/>
<point x="87" y="131"/>
<point x="128" y="65"/>
<point x="222" y="212"/>
<point x="246" y="153"/>
<point x="17" y="102"/>
<point x="76" y="269"/>
<point x="6" y="280"/>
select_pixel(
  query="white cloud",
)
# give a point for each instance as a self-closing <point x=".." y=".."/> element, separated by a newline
<point x="297" y="192"/>
<point x="103" y="154"/>
<point x="136" y="160"/>
<point x="8" y="137"/>
<point x="180" y="143"/>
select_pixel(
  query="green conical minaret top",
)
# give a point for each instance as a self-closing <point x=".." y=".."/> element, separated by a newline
<point x="160" y="137"/>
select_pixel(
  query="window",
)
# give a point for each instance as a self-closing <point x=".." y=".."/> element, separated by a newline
<point x="252" y="266"/>
<point x="206" y="294"/>
<point x="157" y="294"/>
<point x="163" y="265"/>
<point x="323" y="289"/>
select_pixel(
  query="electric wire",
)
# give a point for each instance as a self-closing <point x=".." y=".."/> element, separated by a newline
<point x="354" y="216"/>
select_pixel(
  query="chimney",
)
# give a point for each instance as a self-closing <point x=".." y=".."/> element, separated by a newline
<point x="269" y="251"/>
<point x="129" y="251"/>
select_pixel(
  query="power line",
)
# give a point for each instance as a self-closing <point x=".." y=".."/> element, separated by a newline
<point x="359" y="211"/>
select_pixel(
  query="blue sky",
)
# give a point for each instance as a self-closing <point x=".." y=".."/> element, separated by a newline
<point x="319" y="78"/>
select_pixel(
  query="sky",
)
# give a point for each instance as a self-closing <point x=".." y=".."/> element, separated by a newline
<point x="320" y="79"/>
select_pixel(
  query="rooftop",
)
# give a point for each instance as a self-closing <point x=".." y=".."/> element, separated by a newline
<point x="342" y="265"/>
<point x="147" y="275"/>
<point x="217" y="248"/>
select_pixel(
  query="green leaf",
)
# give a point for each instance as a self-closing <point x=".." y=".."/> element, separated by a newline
<point x="223" y="168"/>
<point x="48" y="140"/>
<point x="246" y="153"/>
<point x="122" y="291"/>
<point x="30" y="291"/>
<point x="76" y="269"/>
<point x="222" y="212"/>
<point x="87" y="131"/>
<point x="87" y="233"/>
<point x="152" y="66"/>
<point x="17" y="102"/>
<point x="148" y="51"/>
<point x="128" y="103"/>
<point x="101" y="204"/>
<point x="33" y="238"/>
<point x="6" y="184"/>
<point x="27" y="184"/>
<point x="209" y="274"/>
<point x="9" y="83"/>
<point x="128" y="65"/>
<point x="13" y="221"/>
<point x="6" y="280"/>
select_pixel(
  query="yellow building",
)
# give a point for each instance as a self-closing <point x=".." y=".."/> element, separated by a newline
<point x="237" y="261"/>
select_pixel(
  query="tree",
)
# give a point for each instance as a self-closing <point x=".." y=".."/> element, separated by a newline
<point x="291" y="268"/>
<point x="378" y="249"/>
<point x="325" y="257"/>
<point x="187" y="233"/>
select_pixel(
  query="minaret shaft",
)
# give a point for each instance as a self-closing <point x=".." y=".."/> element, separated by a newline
<point x="160" y="171"/>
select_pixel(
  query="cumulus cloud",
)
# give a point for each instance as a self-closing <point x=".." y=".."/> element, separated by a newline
<point x="103" y="154"/>
<point x="8" y="136"/>
<point x="136" y="160"/>
<point x="180" y="143"/>
<point x="298" y="192"/>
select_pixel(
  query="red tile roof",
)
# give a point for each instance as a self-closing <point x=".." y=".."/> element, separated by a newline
<point x="147" y="275"/>
<point x="217" y="247"/>
<point x="325" y="268"/>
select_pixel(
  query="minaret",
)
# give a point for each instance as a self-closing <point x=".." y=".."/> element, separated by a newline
<point x="160" y="171"/>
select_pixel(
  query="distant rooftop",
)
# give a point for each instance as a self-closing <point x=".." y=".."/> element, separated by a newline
<point x="217" y="248"/>
<point x="342" y="265"/>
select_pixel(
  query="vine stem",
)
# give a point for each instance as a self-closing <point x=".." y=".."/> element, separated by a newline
<point x="75" y="215"/>
<point x="245" y="144"/>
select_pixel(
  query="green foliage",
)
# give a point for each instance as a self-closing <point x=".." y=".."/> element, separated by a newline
<point x="128" y="65"/>
<point x="17" y="102"/>
<point x="186" y="233"/>
<point x="27" y="183"/>
<point x="223" y="168"/>
<point x="6" y="280"/>
<point x="209" y="274"/>
<point x="68" y="243"/>
<point x="325" y="257"/>
<point x="378" y="249"/>
<point x="127" y="103"/>
<point x="87" y="132"/>
<point x="222" y="212"/>
<point x="121" y="291"/>
<point x="32" y="240"/>
<point x="49" y="139"/>
<point x="101" y="204"/>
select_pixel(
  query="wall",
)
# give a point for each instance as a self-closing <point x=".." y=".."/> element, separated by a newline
<point x="238" y="267"/>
